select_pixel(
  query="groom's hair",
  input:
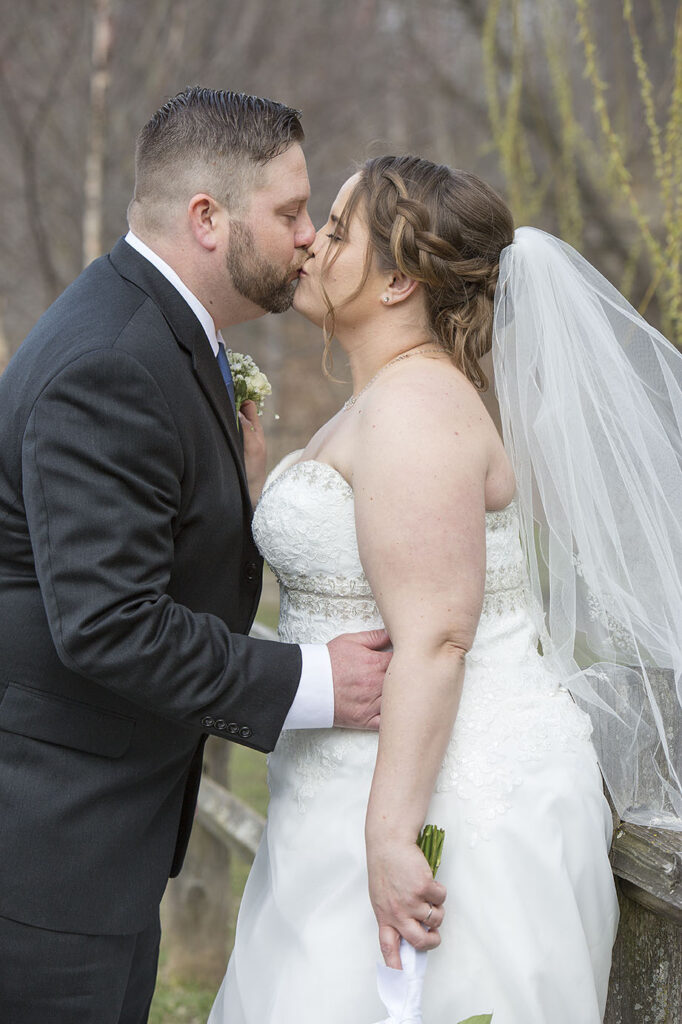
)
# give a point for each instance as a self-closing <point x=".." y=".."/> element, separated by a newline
<point x="207" y="140"/>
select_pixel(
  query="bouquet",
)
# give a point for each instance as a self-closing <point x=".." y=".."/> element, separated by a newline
<point x="401" y="991"/>
<point x="250" y="384"/>
<point x="430" y="842"/>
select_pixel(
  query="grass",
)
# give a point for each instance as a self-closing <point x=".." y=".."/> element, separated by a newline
<point x="176" y="1003"/>
<point x="180" y="1004"/>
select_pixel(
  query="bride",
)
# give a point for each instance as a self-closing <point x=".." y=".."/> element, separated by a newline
<point x="406" y="509"/>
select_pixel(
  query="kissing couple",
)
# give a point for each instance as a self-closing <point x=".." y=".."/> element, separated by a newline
<point x="134" y="514"/>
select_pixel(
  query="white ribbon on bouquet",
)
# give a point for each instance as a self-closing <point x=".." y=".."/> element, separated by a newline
<point x="401" y="991"/>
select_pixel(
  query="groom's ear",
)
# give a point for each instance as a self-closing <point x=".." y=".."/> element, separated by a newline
<point x="399" y="287"/>
<point x="207" y="220"/>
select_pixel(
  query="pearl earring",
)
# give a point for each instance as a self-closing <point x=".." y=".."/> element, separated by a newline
<point x="386" y="298"/>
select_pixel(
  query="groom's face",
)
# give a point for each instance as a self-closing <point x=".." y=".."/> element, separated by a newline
<point x="268" y="242"/>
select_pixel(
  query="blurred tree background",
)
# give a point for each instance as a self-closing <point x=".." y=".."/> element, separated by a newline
<point x="571" y="108"/>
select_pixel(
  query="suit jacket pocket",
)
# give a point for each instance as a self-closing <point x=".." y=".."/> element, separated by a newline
<point x="67" y="723"/>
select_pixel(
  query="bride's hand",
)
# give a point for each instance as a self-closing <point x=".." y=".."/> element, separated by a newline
<point x="255" y="448"/>
<point x="402" y="890"/>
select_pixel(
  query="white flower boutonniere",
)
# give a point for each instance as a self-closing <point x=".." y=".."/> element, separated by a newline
<point x="250" y="383"/>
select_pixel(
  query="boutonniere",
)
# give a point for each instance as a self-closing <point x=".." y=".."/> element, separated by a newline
<point x="250" y="383"/>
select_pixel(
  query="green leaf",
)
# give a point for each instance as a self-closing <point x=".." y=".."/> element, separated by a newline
<point x="482" y="1018"/>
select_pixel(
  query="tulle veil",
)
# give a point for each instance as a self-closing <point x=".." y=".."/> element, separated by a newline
<point x="590" y="399"/>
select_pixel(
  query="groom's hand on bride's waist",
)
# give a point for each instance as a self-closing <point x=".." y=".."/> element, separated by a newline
<point x="359" y="663"/>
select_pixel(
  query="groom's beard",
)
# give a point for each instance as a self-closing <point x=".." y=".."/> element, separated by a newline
<point x="254" y="276"/>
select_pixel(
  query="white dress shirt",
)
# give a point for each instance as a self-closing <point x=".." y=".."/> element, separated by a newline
<point x="313" y="705"/>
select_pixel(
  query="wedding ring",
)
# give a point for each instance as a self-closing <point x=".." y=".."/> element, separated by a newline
<point x="429" y="913"/>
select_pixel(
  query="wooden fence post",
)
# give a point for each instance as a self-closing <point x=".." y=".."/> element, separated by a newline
<point x="646" y="977"/>
<point x="195" y="911"/>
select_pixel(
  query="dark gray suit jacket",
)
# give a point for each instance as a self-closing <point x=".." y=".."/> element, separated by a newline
<point x="127" y="575"/>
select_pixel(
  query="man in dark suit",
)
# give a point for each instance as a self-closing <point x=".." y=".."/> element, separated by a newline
<point x="128" y="574"/>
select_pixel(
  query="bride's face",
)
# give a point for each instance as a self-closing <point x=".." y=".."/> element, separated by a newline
<point x="337" y="262"/>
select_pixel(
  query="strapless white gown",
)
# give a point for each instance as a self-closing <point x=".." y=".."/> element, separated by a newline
<point x="531" y="908"/>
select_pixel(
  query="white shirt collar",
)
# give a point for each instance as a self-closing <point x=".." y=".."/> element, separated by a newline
<point x="203" y="316"/>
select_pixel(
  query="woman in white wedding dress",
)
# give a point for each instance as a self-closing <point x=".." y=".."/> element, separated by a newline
<point x="402" y="510"/>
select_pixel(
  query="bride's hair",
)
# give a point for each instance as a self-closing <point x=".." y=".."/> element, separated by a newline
<point x="444" y="228"/>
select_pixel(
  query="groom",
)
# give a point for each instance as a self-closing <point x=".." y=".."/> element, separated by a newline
<point x="128" y="574"/>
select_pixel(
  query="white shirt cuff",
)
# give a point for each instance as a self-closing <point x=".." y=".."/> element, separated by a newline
<point x="313" y="705"/>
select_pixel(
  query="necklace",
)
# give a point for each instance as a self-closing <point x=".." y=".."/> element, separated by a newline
<point x="349" y="403"/>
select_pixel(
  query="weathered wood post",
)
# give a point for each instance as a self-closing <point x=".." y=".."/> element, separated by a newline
<point x="646" y="977"/>
<point x="196" y="908"/>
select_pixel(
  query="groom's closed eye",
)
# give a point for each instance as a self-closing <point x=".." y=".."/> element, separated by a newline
<point x="293" y="206"/>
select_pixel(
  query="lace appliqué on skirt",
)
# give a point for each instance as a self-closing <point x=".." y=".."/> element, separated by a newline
<point x="500" y="730"/>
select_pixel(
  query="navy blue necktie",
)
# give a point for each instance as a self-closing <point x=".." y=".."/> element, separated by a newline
<point x="227" y="375"/>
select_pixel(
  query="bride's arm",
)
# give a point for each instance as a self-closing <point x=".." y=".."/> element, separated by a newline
<point x="420" y="511"/>
<point x="255" y="449"/>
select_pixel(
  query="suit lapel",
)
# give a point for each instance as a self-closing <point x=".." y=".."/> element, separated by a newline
<point x="191" y="336"/>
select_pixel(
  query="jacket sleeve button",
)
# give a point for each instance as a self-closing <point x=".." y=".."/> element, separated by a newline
<point x="221" y="724"/>
<point x="207" y="722"/>
<point x="245" y="732"/>
<point x="232" y="728"/>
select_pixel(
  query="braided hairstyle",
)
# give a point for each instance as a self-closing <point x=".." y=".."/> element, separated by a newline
<point x="444" y="228"/>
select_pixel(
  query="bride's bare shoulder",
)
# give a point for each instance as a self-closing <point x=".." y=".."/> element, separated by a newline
<point x="430" y="388"/>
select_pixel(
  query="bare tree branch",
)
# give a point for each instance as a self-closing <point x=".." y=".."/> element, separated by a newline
<point x="27" y="137"/>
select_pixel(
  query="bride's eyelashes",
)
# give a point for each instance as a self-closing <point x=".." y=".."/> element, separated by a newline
<point x="334" y="238"/>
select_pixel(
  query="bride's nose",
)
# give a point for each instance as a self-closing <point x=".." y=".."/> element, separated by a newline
<point x="317" y="242"/>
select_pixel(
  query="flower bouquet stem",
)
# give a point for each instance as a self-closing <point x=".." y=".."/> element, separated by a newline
<point x="401" y="991"/>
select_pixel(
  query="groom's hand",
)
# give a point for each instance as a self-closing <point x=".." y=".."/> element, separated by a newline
<point x="403" y="891"/>
<point x="359" y="663"/>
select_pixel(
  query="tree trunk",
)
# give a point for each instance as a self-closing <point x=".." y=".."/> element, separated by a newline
<point x="94" y="162"/>
<point x="4" y="344"/>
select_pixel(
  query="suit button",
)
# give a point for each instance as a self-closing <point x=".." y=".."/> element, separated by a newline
<point x="233" y="728"/>
<point x="220" y="723"/>
<point x="251" y="572"/>
<point x="245" y="732"/>
<point x="207" y="722"/>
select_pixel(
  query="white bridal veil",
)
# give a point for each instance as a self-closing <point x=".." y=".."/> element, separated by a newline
<point x="591" y="406"/>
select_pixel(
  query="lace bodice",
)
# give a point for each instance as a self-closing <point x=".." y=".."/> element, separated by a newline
<point x="305" y="528"/>
<point x="304" y="525"/>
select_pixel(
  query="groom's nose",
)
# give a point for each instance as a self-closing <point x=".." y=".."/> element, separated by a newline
<point x="305" y="235"/>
